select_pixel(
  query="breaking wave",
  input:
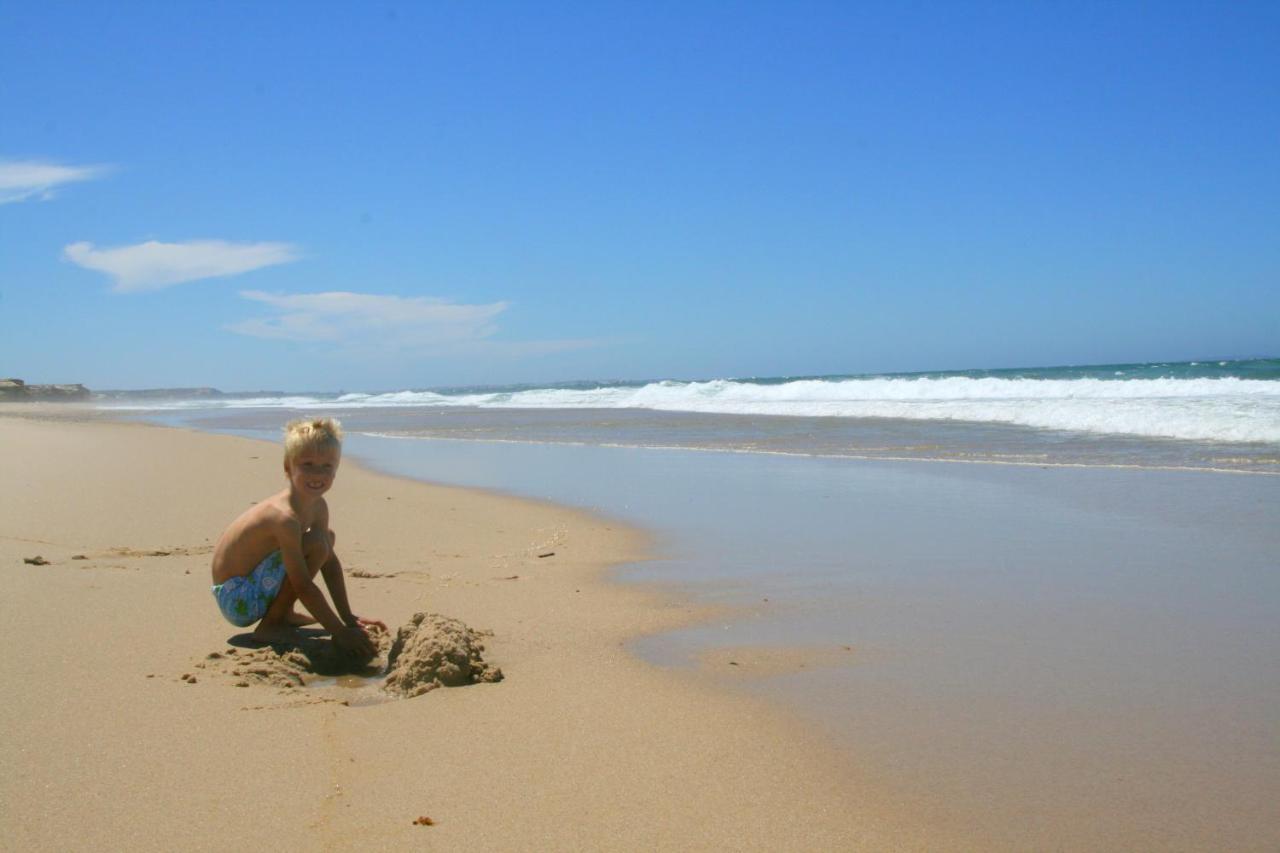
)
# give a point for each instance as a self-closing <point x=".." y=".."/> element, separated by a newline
<point x="1213" y="409"/>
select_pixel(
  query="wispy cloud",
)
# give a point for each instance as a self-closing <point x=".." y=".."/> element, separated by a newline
<point x="375" y="323"/>
<point x="21" y="180"/>
<point x="153" y="265"/>
<point x="340" y="316"/>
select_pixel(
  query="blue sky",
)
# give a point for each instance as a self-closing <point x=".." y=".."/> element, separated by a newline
<point x="330" y="196"/>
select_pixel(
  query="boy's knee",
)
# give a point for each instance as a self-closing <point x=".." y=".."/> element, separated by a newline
<point x="317" y="547"/>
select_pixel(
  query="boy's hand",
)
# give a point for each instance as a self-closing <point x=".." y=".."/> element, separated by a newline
<point x="352" y="638"/>
<point x="367" y="623"/>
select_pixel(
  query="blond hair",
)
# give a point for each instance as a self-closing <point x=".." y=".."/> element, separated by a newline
<point x="309" y="434"/>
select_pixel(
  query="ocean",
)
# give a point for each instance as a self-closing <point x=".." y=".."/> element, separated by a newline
<point x="1219" y="414"/>
<point x="1058" y="588"/>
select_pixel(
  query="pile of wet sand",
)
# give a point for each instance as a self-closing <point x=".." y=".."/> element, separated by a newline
<point x="428" y="651"/>
<point x="433" y="651"/>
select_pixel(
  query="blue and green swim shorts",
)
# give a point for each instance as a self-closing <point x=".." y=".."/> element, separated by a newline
<point x="244" y="599"/>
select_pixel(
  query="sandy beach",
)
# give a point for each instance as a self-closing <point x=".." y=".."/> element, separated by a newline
<point x="581" y="746"/>
<point x="837" y="427"/>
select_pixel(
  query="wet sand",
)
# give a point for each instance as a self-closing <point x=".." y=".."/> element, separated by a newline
<point x="1040" y="657"/>
<point x="118" y="735"/>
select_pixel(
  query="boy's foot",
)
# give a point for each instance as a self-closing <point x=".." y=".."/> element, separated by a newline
<point x="297" y="619"/>
<point x="274" y="633"/>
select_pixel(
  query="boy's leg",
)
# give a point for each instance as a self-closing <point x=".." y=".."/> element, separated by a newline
<point x="280" y="616"/>
<point x="318" y="549"/>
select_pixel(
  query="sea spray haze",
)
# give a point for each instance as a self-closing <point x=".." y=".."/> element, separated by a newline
<point x="1219" y="414"/>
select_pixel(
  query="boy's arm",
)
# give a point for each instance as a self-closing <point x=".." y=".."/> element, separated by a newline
<point x="332" y="572"/>
<point x="289" y="537"/>
<point x="334" y="580"/>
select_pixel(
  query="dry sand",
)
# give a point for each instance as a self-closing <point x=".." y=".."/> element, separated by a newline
<point x="125" y="727"/>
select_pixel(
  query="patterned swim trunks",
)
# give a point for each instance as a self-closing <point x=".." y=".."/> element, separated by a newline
<point x="244" y="599"/>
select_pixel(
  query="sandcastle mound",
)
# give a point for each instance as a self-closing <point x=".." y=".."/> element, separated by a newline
<point x="428" y="651"/>
<point x="433" y="651"/>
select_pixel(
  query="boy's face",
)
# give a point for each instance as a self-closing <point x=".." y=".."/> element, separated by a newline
<point x="311" y="472"/>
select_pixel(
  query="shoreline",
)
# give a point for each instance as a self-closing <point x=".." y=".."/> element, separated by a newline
<point x="584" y="744"/>
<point x="851" y="456"/>
<point x="1009" y="566"/>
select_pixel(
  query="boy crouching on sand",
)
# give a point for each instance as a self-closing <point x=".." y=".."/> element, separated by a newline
<point x="267" y="558"/>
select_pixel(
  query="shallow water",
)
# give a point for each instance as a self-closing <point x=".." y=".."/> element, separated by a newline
<point x="354" y="690"/>
<point x="864" y="437"/>
<point x="1040" y="654"/>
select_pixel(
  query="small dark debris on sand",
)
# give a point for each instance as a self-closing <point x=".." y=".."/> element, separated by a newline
<point x="361" y="573"/>
<point x="423" y="820"/>
<point x="79" y="557"/>
<point x="37" y="560"/>
<point x="547" y="554"/>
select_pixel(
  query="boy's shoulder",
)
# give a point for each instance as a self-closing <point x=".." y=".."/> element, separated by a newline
<point x="274" y="511"/>
<point x="278" y="511"/>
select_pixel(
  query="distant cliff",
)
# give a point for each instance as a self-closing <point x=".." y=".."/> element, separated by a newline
<point x="159" y="394"/>
<point x="15" y="390"/>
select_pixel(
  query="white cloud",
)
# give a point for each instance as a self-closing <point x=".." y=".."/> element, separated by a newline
<point x="24" y="179"/>
<point x="153" y="265"/>
<point x="377" y="325"/>
<point x="340" y="316"/>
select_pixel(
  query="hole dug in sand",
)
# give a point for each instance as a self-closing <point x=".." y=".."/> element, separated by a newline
<point x="428" y="651"/>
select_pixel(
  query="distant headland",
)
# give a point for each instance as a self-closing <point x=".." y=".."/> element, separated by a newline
<point x="15" y="390"/>
<point x="18" y="391"/>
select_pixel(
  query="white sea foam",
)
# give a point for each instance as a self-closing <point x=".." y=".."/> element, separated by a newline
<point x="1213" y="409"/>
